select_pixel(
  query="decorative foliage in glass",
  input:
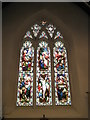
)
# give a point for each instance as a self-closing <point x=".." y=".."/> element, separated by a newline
<point x="43" y="75"/>
<point x="28" y="34"/>
<point x="36" y="28"/>
<point x="50" y="28"/>
<point x="43" y="35"/>
<point x="58" y="35"/>
<point x="25" y="78"/>
<point x="62" y="87"/>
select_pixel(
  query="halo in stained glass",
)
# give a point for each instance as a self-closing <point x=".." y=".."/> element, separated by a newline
<point x="25" y="78"/>
<point x="62" y="87"/>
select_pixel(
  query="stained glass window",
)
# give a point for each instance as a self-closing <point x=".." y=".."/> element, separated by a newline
<point x="50" y="28"/>
<point x="28" y="34"/>
<point x="43" y="35"/>
<point x="43" y="78"/>
<point x="25" y="78"/>
<point x="58" y="35"/>
<point x="62" y="87"/>
<point x="43" y="31"/>
<point x="36" y="28"/>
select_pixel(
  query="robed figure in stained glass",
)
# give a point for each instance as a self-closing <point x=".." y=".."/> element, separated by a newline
<point x="25" y="79"/>
<point x="43" y="81"/>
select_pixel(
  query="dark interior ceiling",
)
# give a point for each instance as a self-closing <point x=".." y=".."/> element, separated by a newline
<point x="84" y="5"/>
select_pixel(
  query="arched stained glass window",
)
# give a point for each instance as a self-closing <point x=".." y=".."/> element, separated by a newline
<point x="43" y="72"/>
<point x="25" y="78"/>
<point x="43" y="32"/>
<point x="62" y="87"/>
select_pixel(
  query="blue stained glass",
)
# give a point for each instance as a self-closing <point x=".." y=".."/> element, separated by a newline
<point x="28" y="34"/>
<point x="43" y="35"/>
<point x="58" y="35"/>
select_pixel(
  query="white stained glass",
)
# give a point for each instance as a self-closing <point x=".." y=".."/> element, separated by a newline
<point x="28" y="34"/>
<point x="43" y="35"/>
<point x="36" y="28"/>
<point x="50" y="28"/>
<point x="43" y="23"/>
<point x="58" y="35"/>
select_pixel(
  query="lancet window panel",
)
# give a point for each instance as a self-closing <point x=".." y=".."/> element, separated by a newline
<point x="25" y="78"/>
<point x="43" y="75"/>
<point x="62" y="85"/>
